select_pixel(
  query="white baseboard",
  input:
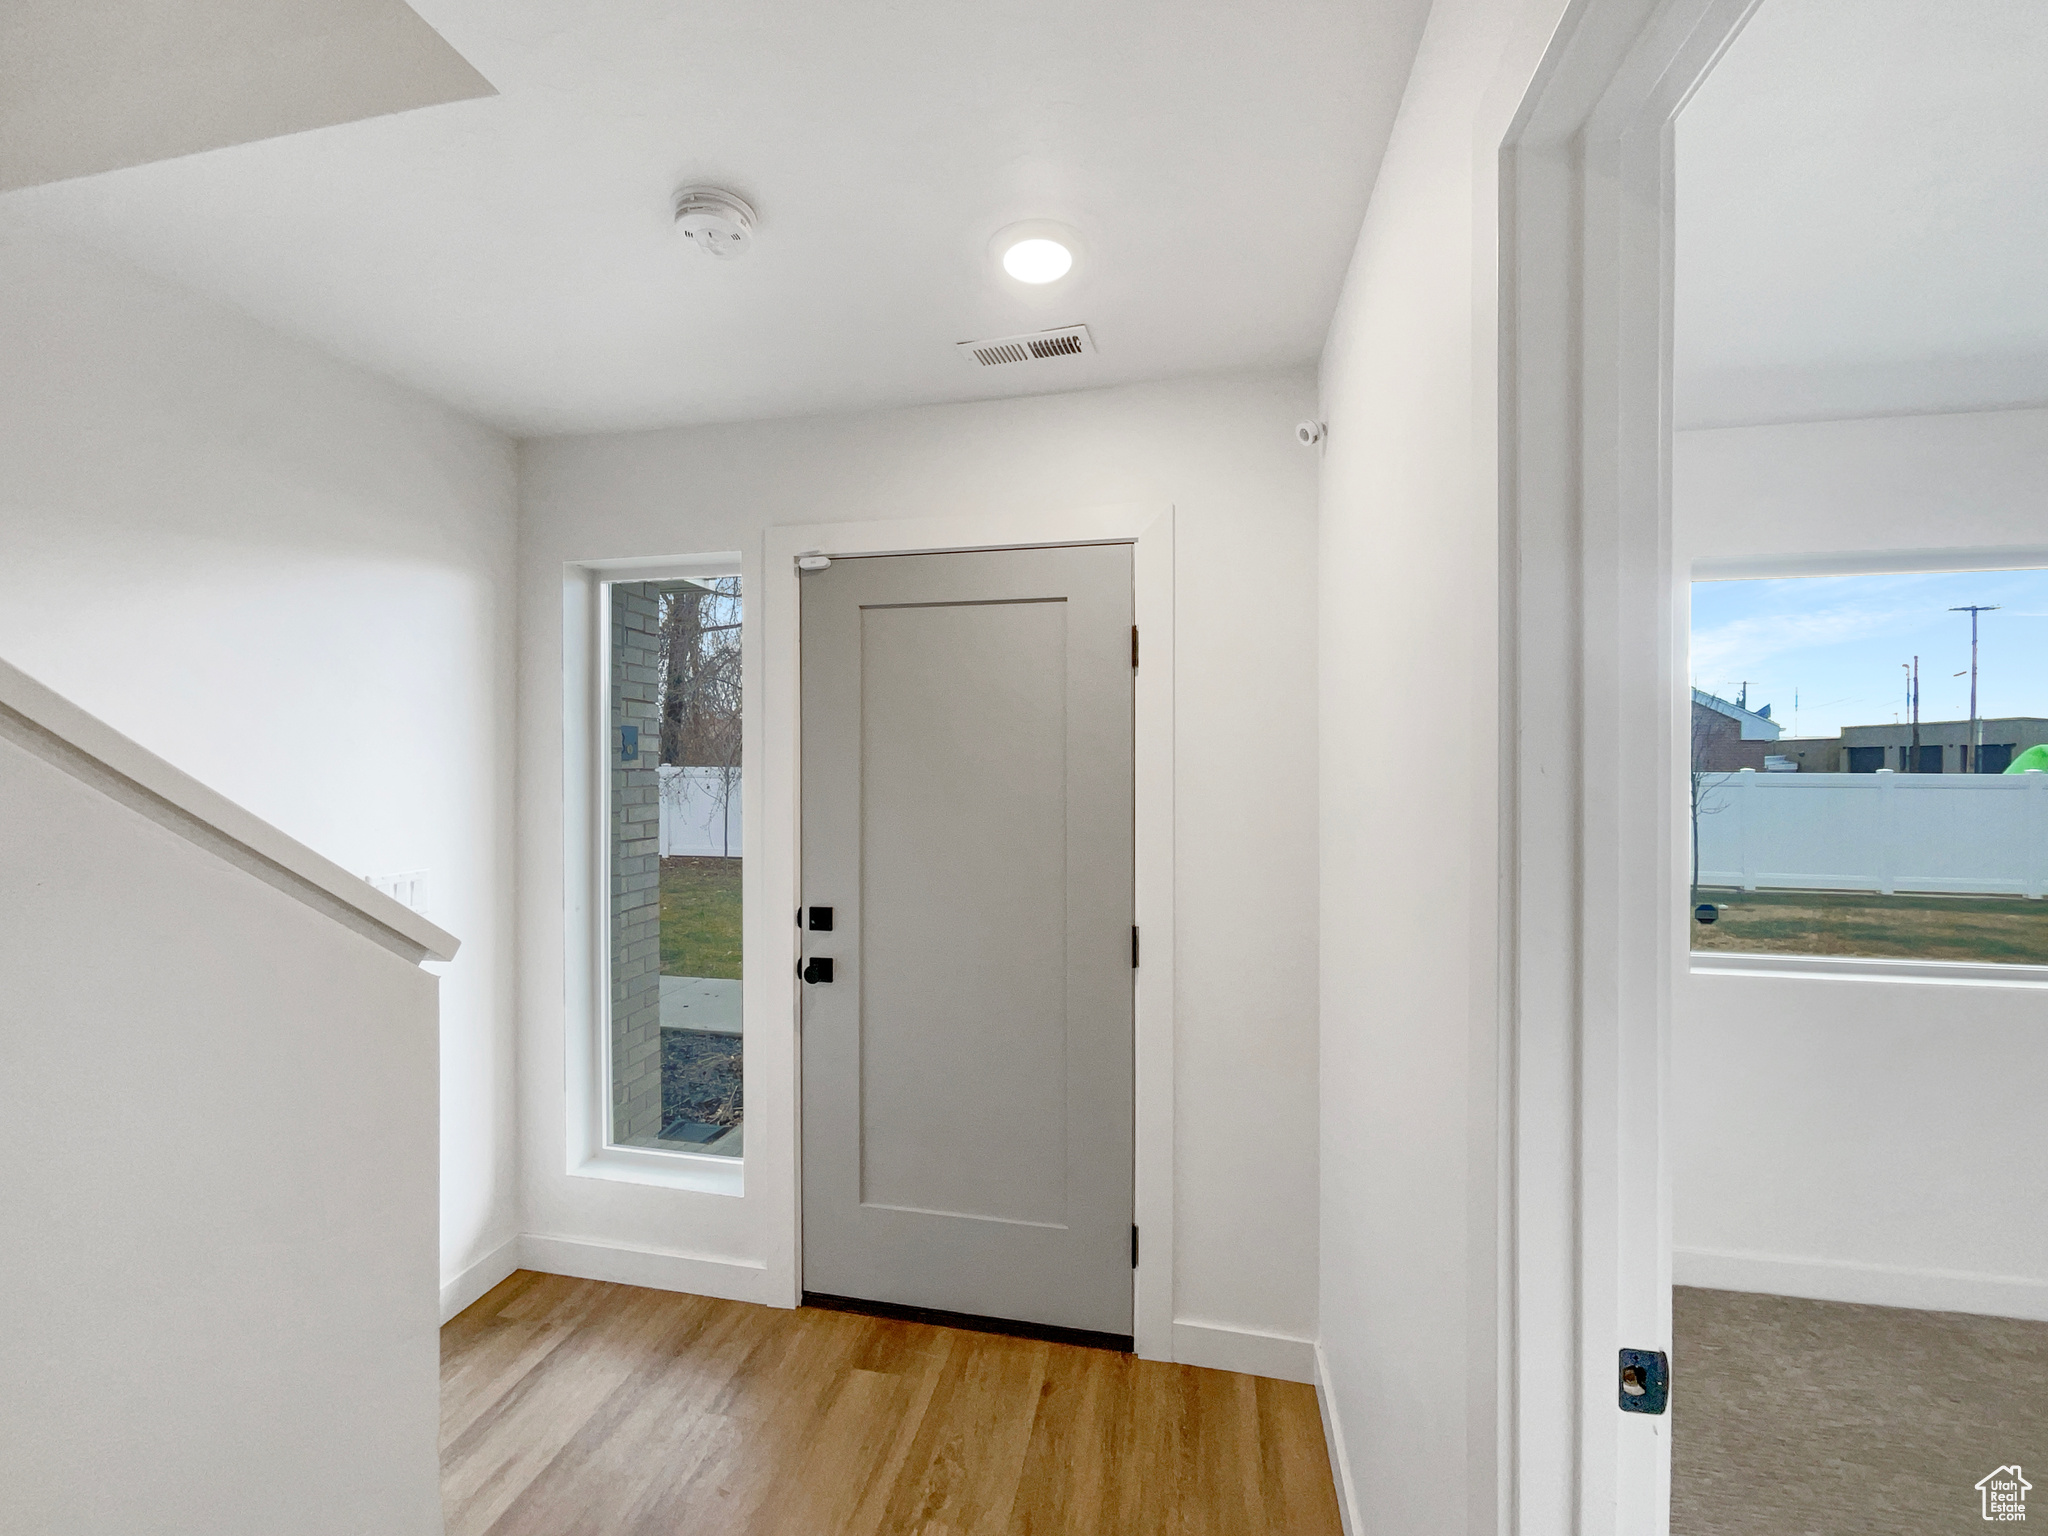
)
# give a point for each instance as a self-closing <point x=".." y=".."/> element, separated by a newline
<point x="656" y="1268"/>
<point x="466" y="1288"/>
<point x="1340" y="1455"/>
<point x="1222" y="1348"/>
<point x="1880" y="1285"/>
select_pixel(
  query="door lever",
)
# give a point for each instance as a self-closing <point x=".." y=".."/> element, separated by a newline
<point x="818" y="968"/>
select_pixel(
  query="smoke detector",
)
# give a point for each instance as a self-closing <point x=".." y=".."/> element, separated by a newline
<point x="715" y="221"/>
<point x="1032" y="347"/>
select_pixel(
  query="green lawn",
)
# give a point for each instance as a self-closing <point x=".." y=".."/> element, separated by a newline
<point x="700" y="918"/>
<point x="2000" y="929"/>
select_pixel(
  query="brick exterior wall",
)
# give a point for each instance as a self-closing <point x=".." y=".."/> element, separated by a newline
<point x="636" y="863"/>
<point x="1717" y="743"/>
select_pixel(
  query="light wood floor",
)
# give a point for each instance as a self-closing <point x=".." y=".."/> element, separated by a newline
<point x="572" y="1408"/>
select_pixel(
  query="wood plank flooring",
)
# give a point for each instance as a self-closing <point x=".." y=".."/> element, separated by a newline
<point x="574" y="1408"/>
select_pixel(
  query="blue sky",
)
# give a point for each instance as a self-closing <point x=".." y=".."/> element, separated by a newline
<point x="1837" y="642"/>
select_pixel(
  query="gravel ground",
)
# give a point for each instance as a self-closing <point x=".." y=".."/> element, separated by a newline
<point x="701" y="1080"/>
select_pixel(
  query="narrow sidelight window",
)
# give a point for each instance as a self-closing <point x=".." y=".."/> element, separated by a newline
<point x="676" y="1039"/>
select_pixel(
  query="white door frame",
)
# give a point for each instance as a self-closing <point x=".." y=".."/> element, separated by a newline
<point x="1592" y="832"/>
<point x="1149" y="530"/>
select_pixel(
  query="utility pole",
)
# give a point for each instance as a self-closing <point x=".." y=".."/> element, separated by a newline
<point x="1913" y="709"/>
<point x="1976" y="725"/>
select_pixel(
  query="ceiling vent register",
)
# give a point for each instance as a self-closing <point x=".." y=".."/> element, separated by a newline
<point x="1035" y="347"/>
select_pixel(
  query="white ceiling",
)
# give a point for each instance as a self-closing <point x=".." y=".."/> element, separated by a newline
<point x="93" y="85"/>
<point x="514" y="256"/>
<point x="1863" y="213"/>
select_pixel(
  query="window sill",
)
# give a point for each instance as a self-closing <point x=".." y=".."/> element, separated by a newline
<point x="666" y="1170"/>
<point x="1858" y="968"/>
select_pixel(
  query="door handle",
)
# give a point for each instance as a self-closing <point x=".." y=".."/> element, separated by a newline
<point x="816" y="969"/>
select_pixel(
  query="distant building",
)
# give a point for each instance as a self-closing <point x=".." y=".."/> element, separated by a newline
<point x="1944" y="745"/>
<point x="1813" y="754"/>
<point x="1727" y="738"/>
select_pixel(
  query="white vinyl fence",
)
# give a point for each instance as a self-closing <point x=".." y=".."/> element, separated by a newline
<point x="1985" y="834"/>
<point x="700" y="812"/>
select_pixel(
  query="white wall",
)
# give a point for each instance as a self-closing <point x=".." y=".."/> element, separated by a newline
<point x="292" y="580"/>
<point x="217" y="1129"/>
<point x="1865" y="1141"/>
<point x="1410" y="582"/>
<point x="1975" y="479"/>
<point x="1222" y="452"/>
<point x="1862" y="1140"/>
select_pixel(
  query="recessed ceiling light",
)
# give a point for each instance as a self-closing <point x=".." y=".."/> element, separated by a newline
<point x="1038" y="260"/>
<point x="1038" y="252"/>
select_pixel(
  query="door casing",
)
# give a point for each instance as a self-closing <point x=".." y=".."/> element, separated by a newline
<point x="776" y="1087"/>
<point x="1592" y="840"/>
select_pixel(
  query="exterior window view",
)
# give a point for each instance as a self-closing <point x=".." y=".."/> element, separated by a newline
<point x="676" y="1039"/>
<point x="1869" y="766"/>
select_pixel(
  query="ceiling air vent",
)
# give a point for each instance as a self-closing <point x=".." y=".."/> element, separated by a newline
<point x="1037" y="347"/>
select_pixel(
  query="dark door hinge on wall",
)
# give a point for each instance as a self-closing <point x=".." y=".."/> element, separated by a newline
<point x="1134" y="946"/>
<point x="1134" y="1245"/>
<point x="1134" y="647"/>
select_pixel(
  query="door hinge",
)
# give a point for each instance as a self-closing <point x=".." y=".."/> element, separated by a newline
<point x="1134" y="946"/>
<point x="1134" y="647"/>
<point x="1134" y="1245"/>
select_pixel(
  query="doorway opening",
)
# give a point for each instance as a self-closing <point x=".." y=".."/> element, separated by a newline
<point x="1860" y="357"/>
<point x="1654" y="430"/>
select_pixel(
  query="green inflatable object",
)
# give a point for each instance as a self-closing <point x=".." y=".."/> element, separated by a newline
<point x="2032" y="758"/>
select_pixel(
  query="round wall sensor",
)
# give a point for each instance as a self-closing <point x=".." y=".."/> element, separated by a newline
<point x="715" y="221"/>
<point x="1309" y="433"/>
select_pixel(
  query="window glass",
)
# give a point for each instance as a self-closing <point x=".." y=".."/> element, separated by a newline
<point x="1867" y="766"/>
<point x="676" y="1039"/>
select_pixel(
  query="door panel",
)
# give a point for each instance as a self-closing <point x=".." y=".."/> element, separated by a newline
<point x="963" y="874"/>
<point x="967" y="798"/>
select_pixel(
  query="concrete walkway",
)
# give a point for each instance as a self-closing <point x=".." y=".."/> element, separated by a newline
<point x="696" y="1002"/>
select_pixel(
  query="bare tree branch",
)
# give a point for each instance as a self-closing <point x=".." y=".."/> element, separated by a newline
<point x="700" y="671"/>
<point x="1704" y="782"/>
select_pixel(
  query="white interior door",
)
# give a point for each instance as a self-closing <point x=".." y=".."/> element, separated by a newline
<point x="967" y="821"/>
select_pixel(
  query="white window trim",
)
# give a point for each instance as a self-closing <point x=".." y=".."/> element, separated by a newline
<point x="1869" y="968"/>
<point x="588" y="854"/>
<point x="776" y="1156"/>
<point x="1871" y="562"/>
